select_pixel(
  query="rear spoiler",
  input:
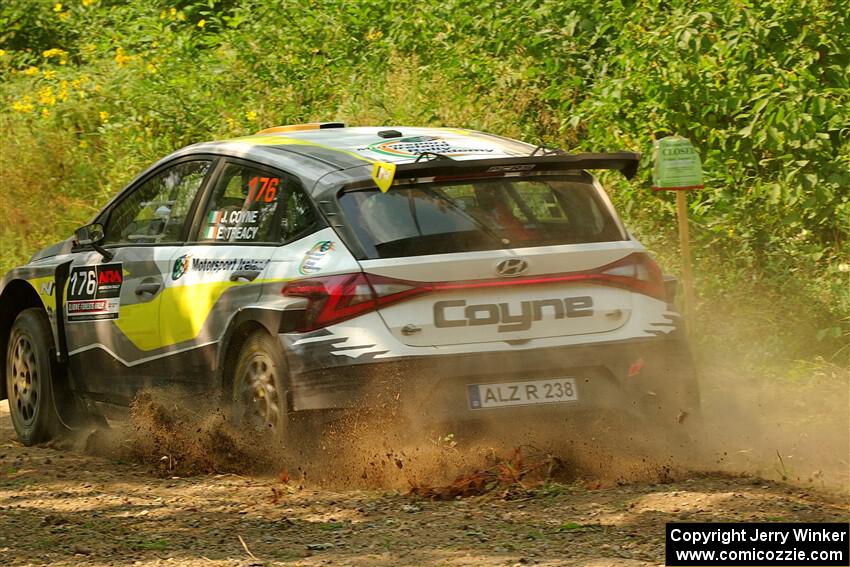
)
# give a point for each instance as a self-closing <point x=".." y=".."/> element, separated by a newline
<point x="624" y="162"/>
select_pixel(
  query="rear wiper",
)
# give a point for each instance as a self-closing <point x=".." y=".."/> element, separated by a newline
<point x="484" y="228"/>
<point x="433" y="156"/>
<point x="545" y="150"/>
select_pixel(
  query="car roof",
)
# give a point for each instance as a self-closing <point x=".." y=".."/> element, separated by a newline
<point x="342" y="147"/>
<point x="329" y="155"/>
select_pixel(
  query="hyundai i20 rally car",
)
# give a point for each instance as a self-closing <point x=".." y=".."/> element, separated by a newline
<point x="319" y="267"/>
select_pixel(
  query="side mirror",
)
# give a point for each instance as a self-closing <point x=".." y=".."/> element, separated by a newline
<point x="92" y="235"/>
<point x="89" y="235"/>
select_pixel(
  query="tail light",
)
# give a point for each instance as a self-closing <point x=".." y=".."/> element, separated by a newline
<point x="636" y="272"/>
<point x="333" y="299"/>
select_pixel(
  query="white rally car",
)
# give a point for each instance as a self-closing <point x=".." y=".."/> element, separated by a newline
<point x="456" y="273"/>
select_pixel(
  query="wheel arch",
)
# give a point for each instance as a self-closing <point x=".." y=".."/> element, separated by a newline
<point x="245" y="322"/>
<point x="16" y="296"/>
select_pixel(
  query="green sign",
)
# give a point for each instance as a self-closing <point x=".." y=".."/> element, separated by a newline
<point x="677" y="164"/>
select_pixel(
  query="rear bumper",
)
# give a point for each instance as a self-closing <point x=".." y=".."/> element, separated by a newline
<point x="644" y="378"/>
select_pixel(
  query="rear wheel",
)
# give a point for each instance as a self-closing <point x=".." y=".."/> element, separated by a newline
<point x="259" y="387"/>
<point x="29" y="378"/>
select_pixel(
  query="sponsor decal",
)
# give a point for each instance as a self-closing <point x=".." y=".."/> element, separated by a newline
<point x="417" y="145"/>
<point x="187" y="263"/>
<point x="383" y="175"/>
<point x="316" y="258"/>
<point x="47" y="288"/>
<point x="94" y="292"/>
<point x="510" y="168"/>
<point x="456" y="313"/>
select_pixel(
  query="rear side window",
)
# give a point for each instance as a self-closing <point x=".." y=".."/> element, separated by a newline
<point x="251" y="205"/>
<point x="477" y="215"/>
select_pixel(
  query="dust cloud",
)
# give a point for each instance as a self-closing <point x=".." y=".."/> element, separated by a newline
<point x="750" y="425"/>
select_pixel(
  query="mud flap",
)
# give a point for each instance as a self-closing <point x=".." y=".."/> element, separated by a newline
<point x="60" y="277"/>
<point x="69" y="408"/>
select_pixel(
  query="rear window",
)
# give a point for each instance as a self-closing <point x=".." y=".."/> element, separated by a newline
<point x="476" y="215"/>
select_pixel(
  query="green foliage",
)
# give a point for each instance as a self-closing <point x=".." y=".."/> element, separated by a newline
<point x="95" y="90"/>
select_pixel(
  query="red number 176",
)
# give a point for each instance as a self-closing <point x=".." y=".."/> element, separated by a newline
<point x="268" y="189"/>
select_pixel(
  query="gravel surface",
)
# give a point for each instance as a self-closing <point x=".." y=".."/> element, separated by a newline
<point x="62" y="507"/>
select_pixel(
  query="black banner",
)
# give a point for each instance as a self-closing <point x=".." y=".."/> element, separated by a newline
<point x="763" y="544"/>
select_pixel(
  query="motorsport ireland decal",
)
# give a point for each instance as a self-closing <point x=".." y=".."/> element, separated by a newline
<point x="181" y="266"/>
<point x="316" y="258"/>
<point x="94" y="292"/>
<point x="186" y="263"/>
<point x="417" y="145"/>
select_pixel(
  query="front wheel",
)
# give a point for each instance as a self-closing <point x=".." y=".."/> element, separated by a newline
<point x="259" y="387"/>
<point x="29" y="378"/>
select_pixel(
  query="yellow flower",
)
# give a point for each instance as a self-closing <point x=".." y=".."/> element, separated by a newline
<point x="151" y="68"/>
<point x="372" y="36"/>
<point x="45" y="96"/>
<point x="181" y="16"/>
<point x="2" y="52"/>
<point x="231" y="123"/>
<point x="162" y="15"/>
<point x="57" y="7"/>
<point x="88" y="3"/>
<point x="251" y="115"/>
<point x="84" y="144"/>
<point x="48" y="74"/>
<point x="202" y="23"/>
<point x="45" y="112"/>
<point x="173" y="12"/>
<point x="104" y="116"/>
<point x="55" y="52"/>
<point x="121" y="58"/>
<point x="31" y="71"/>
<point x="24" y="105"/>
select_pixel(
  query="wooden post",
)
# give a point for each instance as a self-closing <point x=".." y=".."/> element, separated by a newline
<point x="685" y="248"/>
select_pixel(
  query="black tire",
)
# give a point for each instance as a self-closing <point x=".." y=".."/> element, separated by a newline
<point x="258" y="394"/>
<point x="29" y="378"/>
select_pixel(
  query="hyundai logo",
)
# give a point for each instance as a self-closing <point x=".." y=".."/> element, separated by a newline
<point x="512" y="267"/>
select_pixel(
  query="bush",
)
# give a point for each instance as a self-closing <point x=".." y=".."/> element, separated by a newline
<point x="96" y="89"/>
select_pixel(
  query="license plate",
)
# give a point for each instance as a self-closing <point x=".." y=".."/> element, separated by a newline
<point x="529" y="392"/>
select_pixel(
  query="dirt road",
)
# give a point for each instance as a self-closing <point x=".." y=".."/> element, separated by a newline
<point x="62" y="507"/>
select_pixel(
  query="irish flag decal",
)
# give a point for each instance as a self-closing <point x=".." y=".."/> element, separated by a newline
<point x="212" y="230"/>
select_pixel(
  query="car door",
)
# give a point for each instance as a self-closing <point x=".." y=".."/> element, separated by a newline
<point x="222" y="267"/>
<point x="113" y="304"/>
